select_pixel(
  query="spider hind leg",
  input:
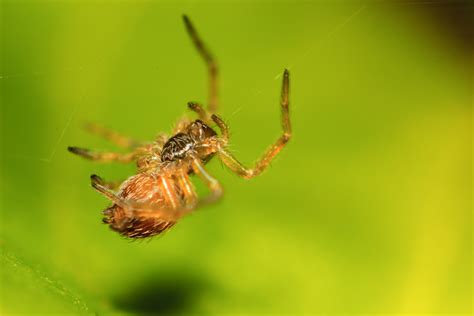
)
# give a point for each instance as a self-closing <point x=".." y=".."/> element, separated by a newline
<point x="103" y="156"/>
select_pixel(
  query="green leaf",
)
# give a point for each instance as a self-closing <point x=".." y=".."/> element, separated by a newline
<point x="28" y="288"/>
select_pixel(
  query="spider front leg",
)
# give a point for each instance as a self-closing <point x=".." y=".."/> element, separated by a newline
<point x="200" y="111"/>
<point x="248" y="173"/>
<point x="103" y="156"/>
<point x="208" y="59"/>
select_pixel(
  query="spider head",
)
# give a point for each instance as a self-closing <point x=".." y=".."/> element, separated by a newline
<point x="199" y="131"/>
<point x="204" y="138"/>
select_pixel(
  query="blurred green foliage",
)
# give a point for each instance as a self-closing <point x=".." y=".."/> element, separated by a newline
<point x="368" y="210"/>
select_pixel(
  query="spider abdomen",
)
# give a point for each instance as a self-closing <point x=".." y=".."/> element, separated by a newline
<point x="150" y="202"/>
<point x="134" y="226"/>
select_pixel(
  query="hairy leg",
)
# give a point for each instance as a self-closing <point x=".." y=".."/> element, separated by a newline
<point x="212" y="184"/>
<point x="200" y="111"/>
<point x="237" y="167"/>
<point x="208" y="59"/>
<point x="104" y="156"/>
<point x="111" y="185"/>
<point x="137" y="208"/>
<point x="177" y="205"/>
<point x="222" y="126"/>
<point x="100" y="186"/>
<point x="169" y="192"/>
<point x="188" y="192"/>
<point x="112" y="136"/>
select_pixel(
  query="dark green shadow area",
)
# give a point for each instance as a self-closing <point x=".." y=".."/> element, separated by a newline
<point x="161" y="293"/>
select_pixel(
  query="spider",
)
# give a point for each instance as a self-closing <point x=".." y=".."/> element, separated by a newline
<point x="153" y="200"/>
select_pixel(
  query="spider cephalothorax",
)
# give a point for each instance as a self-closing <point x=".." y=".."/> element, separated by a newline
<point x="161" y="192"/>
<point x="196" y="140"/>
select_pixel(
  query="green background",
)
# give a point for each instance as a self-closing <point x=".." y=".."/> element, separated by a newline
<point x="368" y="209"/>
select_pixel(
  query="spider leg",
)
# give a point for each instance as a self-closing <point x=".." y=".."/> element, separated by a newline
<point x="179" y="206"/>
<point x="222" y="126"/>
<point x="208" y="59"/>
<point x="248" y="173"/>
<point x="212" y="184"/>
<point x="187" y="189"/>
<point x="112" y="136"/>
<point x="201" y="112"/>
<point x="104" y="156"/>
<point x="111" y="185"/>
<point x="100" y="186"/>
<point x="131" y="207"/>
<point x="169" y="191"/>
<point x="186" y="202"/>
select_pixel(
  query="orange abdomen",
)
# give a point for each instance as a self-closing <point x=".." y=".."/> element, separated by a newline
<point x="153" y="200"/>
